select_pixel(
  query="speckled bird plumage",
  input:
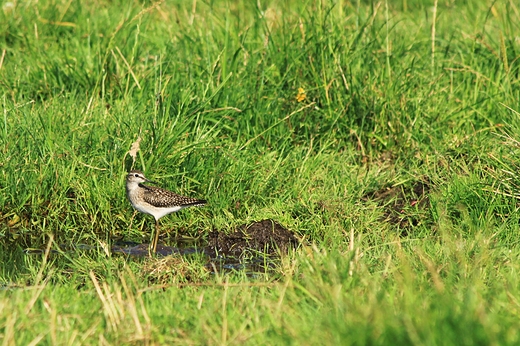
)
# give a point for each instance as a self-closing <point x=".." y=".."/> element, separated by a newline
<point x="153" y="200"/>
<point x="162" y="198"/>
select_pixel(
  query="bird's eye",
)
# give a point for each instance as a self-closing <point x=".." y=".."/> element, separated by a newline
<point x="136" y="175"/>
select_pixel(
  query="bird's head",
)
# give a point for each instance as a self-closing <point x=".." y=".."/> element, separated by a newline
<point x="136" y="177"/>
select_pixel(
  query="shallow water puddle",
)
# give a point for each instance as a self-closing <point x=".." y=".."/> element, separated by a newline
<point x="253" y="248"/>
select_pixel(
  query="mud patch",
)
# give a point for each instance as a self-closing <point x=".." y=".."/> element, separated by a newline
<point x="266" y="236"/>
<point x="404" y="206"/>
<point x="254" y="248"/>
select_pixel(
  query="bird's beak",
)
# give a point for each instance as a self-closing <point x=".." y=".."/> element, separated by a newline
<point x="151" y="182"/>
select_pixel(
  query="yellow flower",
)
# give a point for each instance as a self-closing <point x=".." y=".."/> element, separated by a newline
<point x="301" y="96"/>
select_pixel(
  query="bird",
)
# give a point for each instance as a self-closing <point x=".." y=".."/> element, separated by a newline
<point x="155" y="201"/>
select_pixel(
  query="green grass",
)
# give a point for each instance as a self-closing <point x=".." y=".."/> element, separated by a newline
<point x="396" y="93"/>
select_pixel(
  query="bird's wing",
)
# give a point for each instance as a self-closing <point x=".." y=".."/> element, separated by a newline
<point x="162" y="198"/>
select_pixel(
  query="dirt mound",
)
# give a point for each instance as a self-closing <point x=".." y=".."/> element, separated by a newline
<point x="266" y="236"/>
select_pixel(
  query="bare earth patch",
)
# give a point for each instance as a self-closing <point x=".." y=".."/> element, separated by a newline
<point x="403" y="207"/>
<point x="266" y="237"/>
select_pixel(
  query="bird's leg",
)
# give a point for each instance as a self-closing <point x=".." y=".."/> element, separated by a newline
<point x="156" y="237"/>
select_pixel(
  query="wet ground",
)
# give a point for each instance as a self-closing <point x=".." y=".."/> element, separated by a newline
<point x="253" y="247"/>
<point x="266" y="237"/>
